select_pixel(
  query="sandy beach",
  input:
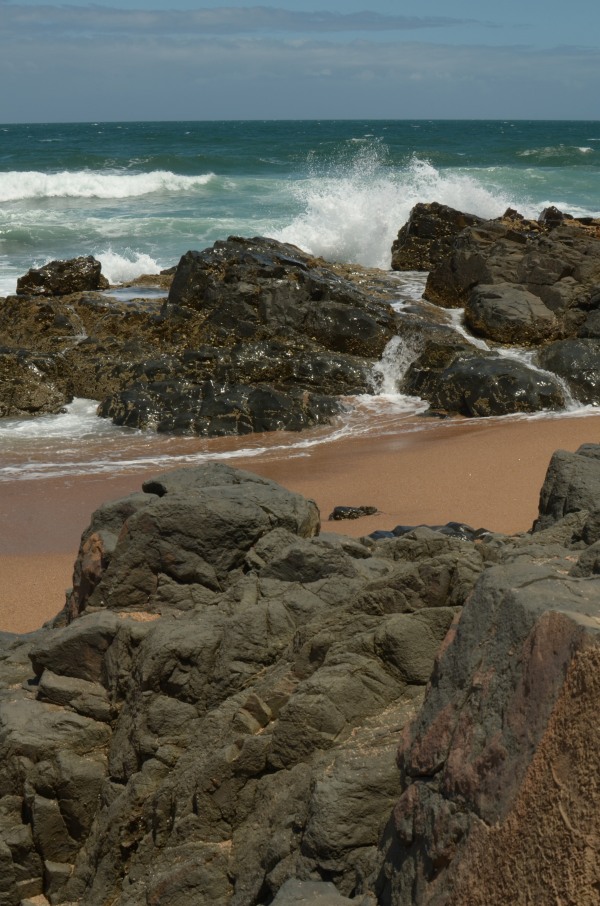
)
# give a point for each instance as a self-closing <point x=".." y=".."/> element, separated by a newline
<point x="485" y="473"/>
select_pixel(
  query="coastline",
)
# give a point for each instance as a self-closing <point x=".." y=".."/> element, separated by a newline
<point x="487" y="473"/>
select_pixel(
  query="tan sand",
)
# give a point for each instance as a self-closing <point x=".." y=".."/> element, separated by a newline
<point x="484" y="473"/>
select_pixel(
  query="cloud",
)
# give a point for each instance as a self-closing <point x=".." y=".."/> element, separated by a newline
<point x="225" y="21"/>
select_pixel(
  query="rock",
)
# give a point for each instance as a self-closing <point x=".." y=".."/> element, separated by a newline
<point x="493" y="764"/>
<point x="319" y="893"/>
<point x="255" y="335"/>
<point x="59" y="278"/>
<point x="351" y="512"/>
<point x="428" y="236"/>
<point x="30" y="385"/>
<point x="220" y="713"/>
<point x="558" y="265"/>
<point x="577" y="362"/>
<point x="572" y="484"/>
<point x="471" y="383"/>
<point x="509" y="314"/>
<point x="215" y="410"/>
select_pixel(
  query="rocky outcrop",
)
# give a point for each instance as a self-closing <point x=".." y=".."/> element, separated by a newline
<point x="215" y="714"/>
<point x="255" y="335"/>
<point x="522" y="283"/>
<point x="559" y="265"/>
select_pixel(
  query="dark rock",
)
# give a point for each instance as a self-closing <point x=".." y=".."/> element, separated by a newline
<point x="558" y="265"/>
<point x="472" y="383"/>
<point x="214" y="410"/>
<point x="352" y="512"/>
<point x="264" y="288"/>
<point x="509" y="314"/>
<point x="59" y="278"/>
<point x="577" y="362"/>
<point x="428" y="236"/>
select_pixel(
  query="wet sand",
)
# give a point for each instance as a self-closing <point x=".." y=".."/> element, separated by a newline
<point x="487" y="474"/>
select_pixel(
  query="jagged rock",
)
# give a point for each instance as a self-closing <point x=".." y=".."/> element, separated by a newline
<point x="220" y="712"/>
<point x="59" y="278"/>
<point x="255" y="335"/>
<point x="428" y="236"/>
<point x="560" y="266"/>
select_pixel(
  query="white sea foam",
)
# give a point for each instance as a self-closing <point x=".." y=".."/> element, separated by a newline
<point x="120" y="268"/>
<point x="18" y="185"/>
<point x="356" y="216"/>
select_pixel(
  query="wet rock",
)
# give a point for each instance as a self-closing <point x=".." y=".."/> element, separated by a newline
<point x="468" y="382"/>
<point x="59" y="278"/>
<point x="577" y="362"/>
<point x="31" y="385"/>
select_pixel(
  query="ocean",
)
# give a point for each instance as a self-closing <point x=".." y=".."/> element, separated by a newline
<point x="139" y="195"/>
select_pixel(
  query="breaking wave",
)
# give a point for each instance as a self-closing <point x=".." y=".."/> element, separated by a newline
<point x="16" y="185"/>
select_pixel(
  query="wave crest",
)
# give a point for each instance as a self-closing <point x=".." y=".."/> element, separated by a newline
<point x="17" y="185"/>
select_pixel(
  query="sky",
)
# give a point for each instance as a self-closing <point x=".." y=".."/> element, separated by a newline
<point x="289" y="59"/>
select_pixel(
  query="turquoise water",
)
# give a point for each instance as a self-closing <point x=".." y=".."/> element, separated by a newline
<point x="138" y="195"/>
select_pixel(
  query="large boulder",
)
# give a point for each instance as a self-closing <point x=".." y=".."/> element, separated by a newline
<point x="561" y="266"/>
<point x="216" y="711"/>
<point x="499" y="770"/>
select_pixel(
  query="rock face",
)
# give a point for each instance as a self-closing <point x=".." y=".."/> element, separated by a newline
<point x="255" y="335"/>
<point x="500" y="801"/>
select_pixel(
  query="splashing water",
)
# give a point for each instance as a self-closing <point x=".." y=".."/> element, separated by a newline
<point x="353" y="213"/>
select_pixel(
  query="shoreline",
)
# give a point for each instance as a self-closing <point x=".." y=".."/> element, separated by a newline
<point x="487" y="473"/>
